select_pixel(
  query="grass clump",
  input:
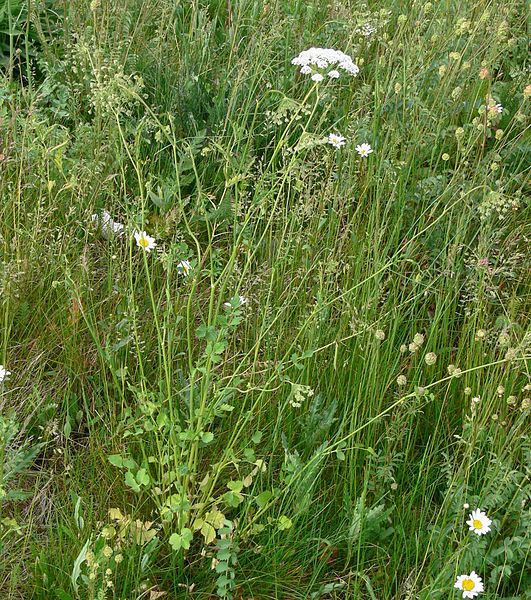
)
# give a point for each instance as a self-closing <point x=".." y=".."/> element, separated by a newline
<point x="264" y="301"/>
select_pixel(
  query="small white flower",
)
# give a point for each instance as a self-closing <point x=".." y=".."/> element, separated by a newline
<point x="107" y="226"/>
<point x="364" y="150"/>
<point x="306" y="70"/>
<point x="471" y="585"/>
<point x="145" y="241"/>
<point x="4" y="373"/>
<point x="184" y="267"/>
<point x="478" y="522"/>
<point x="336" y="140"/>
<point x="418" y="339"/>
<point x="466" y="505"/>
<point x="317" y="77"/>
<point x="496" y="108"/>
<point x="241" y="301"/>
<point x="333" y="74"/>
<point x="430" y="358"/>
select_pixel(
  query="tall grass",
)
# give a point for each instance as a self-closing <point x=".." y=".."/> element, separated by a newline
<point x="315" y="406"/>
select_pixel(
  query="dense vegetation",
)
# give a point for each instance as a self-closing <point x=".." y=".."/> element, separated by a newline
<point x="264" y="325"/>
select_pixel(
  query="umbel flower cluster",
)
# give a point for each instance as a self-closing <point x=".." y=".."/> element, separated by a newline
<point x="319" y="61"/>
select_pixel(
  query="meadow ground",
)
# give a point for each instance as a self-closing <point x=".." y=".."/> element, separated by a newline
<point x="264" y="315"/>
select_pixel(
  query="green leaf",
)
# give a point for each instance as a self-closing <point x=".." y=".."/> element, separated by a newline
<point x="142" y="477"/>
<point x="116" y="460"/>
<point x="235" y="486"/>
<point x="284" y="523"/>
<point x="232" y="499"/>
<point x="129" y="463"/>
<point x="76" y="570"/>
<point x="206" y="331"/>
<point x="181" y="540"/>
<point x="131" y="481"/>
<point x="257" y="436"/>
<point x="263" y="498"/>
<point x="208" y="532"/>
<point x="207" y="437"/>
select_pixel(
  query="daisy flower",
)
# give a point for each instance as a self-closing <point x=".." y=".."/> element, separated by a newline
<point x="336" y="140"/>
<point x="479" y="522"/>
<point x="471" y="585"/>
<point x="364" y="150"/>
<point x="184" y="267"/>
<point x="4" y="373"/>
<point x="145" y="241"/>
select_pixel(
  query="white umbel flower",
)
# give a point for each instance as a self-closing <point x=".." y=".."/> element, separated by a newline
<point x="364" y="150"/>
<point x="317" y="77"/>
<point x="471" y="585"/>
<point x="145" y="241"/>
<point x="4" y="373"/>
<point x="319" y="59"/>
<point x="108" y="227"/>
<point x="336" y="140"/>
<point x="478" y="522"/>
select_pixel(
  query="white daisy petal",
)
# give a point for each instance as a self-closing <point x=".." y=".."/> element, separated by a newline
<point x="184" y="267"/>
<point x="145" y="241"/>
<point x="336" y="140"/>
<point x="364" y="150"/>
<point x="479" y="522"/>
<point x="4" y="373"/>
<point x="471" y="585"/>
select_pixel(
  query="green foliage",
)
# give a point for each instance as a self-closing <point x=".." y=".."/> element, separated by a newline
<point x="324" y="358"/>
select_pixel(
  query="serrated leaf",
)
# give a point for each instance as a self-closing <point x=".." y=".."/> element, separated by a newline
<point x="181" y="540"/>
<point x="235" y="486"/>
<point x="207" y="437"/>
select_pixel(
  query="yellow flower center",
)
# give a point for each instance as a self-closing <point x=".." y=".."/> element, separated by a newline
<point x="477" y="524"/>
<point x="468" y="585"/>
<point x="143" y="242"/>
